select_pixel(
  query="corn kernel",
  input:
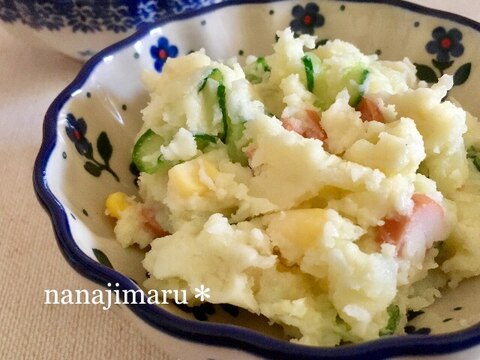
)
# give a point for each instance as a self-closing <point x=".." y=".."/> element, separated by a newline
<point x="116" y="203"/>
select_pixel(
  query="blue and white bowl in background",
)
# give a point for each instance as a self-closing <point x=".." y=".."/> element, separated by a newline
<point x="81" y="28"/>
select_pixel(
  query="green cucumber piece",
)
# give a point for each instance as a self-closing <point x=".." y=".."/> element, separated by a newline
<point x="307" y="63"/>
<point x="261" y="61"/>
<point x="234" y="149"/>
<point x="222" y="102"/>
<point x="149" y="143"/>
<point x="214" y="74"/>
<point x="255" y="71"/>
<point x="354" y="81"/>
<point x="474" y="154"/>
<point x="204" y="140"/>
<point x="314" y="74"/>
<point x="393" y="320"/>
<point x="232" y="132"/>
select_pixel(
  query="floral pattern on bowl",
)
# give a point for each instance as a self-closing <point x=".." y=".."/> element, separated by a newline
<point x="80" y="28"/>
<point x="93" y="16"/>
<point x="444" y="45"/>
<point x="104" y="103"/>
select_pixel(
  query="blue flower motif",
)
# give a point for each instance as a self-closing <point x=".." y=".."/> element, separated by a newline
<point x="76" y="130"/>
<point x="445" y="43"/>
<point x="161" y="52"/>
<point x="306" y="19"/>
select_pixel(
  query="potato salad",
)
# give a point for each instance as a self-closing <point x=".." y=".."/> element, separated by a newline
<point x="325" y="189"/>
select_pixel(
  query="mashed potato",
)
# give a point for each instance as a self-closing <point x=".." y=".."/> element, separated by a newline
<point x="319" y="187"/>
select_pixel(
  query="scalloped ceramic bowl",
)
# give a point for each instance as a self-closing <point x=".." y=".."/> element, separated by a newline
<point x="75" y="171"/>
<point x="80" y="28"/>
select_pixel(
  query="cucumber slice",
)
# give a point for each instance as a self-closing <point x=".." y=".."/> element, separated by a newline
<point x="234" y="148"/>
<point x="204" y="140"/>
<point x="313" y="71"/>
<point x="232" y="132"/>
<point x="354" y="81"/>
<point x="261" y="61"/>
<point x="149" y="143"/>
<point x="255" y="71"/>
<point x="307" y="63"/>
<point x="214" y="74"/>
<point x="222" y="102"/>
<point x="393" y="320"/>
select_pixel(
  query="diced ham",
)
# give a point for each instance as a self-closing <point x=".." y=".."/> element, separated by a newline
<point x="369" y="110"/>
<point x="305" y="123"/>
<point x="151" y="223"/>
<point x="416" y="233"/>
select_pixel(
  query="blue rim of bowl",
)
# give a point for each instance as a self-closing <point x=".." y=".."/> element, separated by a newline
<point x="224" y="335"/>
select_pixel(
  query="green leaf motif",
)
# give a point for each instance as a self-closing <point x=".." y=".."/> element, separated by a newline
<point x="412" y="314"/>
<point x="462" y="74"/>
<point x="89" y="150"/>
<point x="230" y="309"/>
<point x="104" y="147"/>
<point x="426" y="73"/>
<point x="102" y="258"/>
<point x="442" y="65"/>
<point x="93" y="168"/>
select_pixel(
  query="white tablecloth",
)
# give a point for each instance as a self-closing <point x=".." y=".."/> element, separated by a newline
<point x="30" y="261"/>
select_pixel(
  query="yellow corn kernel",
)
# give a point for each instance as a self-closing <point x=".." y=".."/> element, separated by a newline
<point x="116" y="203"/>
<point x="185" y="178"/>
